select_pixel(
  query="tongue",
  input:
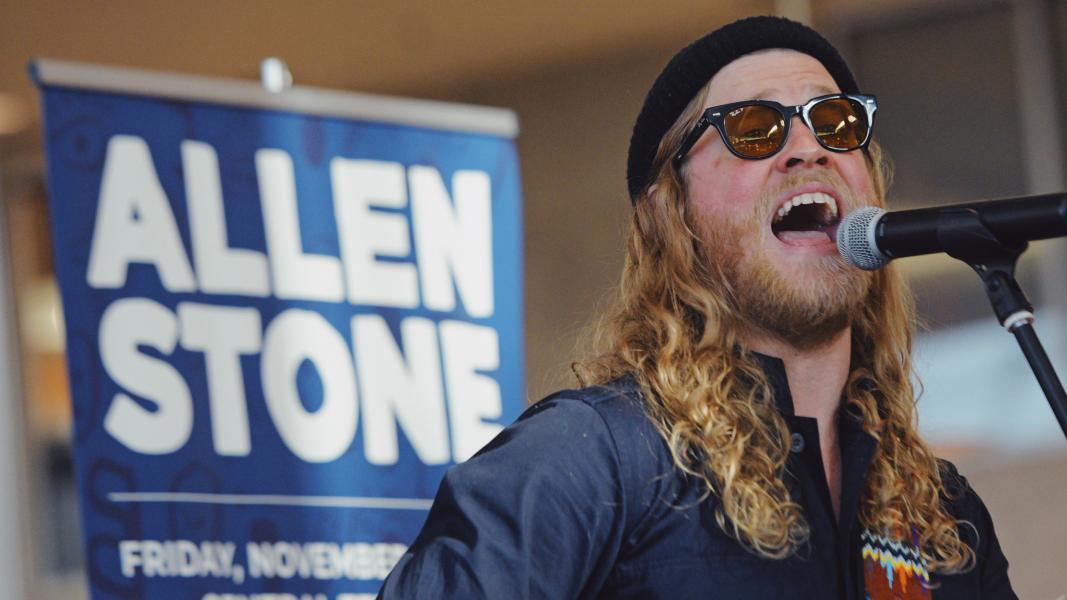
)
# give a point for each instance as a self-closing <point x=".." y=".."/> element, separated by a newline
<point x="811" y="236"/>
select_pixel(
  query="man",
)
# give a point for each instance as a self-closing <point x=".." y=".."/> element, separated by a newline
<point x="752" y="431"/>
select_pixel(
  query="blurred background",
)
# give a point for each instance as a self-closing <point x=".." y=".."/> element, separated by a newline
<point x="971" y="104"/>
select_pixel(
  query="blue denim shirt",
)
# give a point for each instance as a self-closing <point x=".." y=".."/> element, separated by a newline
<point x="579" y="498"/>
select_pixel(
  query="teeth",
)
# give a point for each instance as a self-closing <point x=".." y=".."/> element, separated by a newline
<point x="812" y="198"/>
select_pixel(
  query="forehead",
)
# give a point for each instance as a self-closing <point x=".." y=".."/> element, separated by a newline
<point x="787" y="76"/>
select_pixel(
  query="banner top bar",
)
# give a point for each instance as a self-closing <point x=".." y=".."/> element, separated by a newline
<point x="301" y="99"/>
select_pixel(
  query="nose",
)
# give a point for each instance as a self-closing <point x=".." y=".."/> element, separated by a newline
<point x="801" y="150"/>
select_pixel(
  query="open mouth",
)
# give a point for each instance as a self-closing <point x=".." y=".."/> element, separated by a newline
<point x="806" y="219"/>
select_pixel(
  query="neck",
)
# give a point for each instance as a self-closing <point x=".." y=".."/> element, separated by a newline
<point x="816" y="375"/>
<point x="816" y="380"/>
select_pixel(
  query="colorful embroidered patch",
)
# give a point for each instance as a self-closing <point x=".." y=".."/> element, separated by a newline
<point x="893" y="570"/>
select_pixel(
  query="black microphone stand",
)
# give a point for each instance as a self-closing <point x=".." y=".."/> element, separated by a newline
<point x="963" y="235"/>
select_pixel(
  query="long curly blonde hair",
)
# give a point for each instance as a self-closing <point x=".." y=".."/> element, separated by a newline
<point x="675" y="328"/>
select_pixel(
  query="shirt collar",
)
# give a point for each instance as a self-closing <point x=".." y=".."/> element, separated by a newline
<point x="774" y="369"/>
<point x="857" y="446"/>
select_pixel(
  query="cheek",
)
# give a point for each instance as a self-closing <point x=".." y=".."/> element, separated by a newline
<point x="730" y="192"/>
<point x="860" y="179"/>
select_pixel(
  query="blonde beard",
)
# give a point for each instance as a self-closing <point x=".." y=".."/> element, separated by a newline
<point x="805" y="314"/>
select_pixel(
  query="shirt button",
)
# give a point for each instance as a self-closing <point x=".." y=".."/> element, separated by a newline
<point x="797" y="443"/>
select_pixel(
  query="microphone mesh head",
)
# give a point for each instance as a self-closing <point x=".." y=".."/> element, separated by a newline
<point x="855" y="239"/>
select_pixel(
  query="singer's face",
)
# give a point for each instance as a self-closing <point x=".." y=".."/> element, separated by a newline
<point x="771" y="223"/>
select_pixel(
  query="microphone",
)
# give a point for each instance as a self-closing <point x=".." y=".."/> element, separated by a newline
<point x="870" y="237"/>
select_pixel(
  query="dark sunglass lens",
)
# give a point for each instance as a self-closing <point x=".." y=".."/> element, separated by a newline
<point x="840" y="123"/>
<point x="755" y="131"/>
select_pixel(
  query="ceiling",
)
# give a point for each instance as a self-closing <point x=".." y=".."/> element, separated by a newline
<point x="383" y="46"/>
<point x="393" y="46"/>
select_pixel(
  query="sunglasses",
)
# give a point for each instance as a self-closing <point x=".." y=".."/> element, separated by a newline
<point x="755" y="129"/>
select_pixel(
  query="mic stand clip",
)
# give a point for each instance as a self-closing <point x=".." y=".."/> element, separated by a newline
<point x="964" y="236"/>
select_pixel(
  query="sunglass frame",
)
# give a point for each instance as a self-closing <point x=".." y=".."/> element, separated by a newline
<point x="715" y="116"/>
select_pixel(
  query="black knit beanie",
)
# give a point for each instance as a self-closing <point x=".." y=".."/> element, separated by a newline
<point x="693" y="66"/>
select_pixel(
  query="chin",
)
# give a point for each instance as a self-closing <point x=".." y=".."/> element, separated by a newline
<point x="806" y="305"/>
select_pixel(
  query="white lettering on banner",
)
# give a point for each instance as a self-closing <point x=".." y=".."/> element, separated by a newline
<point x="223" y="334"/>
<point x="404" y="387"/>
<point x="219" y="268"/>
<point x="126" y="324"/>
<point x="296" y="275"/>
<point x="313" y="560"/>
<point x="293" y="337"/>
<point x="432" y="380"/>
<point x="322" y="560"/>
<point x="467" y="349"/>
<point x="284" y="596"/>
<point x="365" y="233"/>
<point x="177" y="558"/>
<point x="398" y="390"/>
<point x="134" y="222"/>
<point x="453" y="240"/>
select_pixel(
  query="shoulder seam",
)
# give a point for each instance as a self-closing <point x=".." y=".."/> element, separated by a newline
<point x="623" y="487"/>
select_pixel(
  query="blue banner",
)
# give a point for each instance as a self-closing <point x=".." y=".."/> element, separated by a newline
<point x="282" y="329"/>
